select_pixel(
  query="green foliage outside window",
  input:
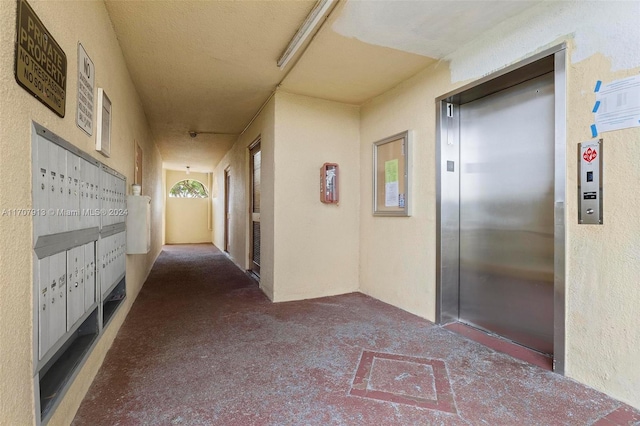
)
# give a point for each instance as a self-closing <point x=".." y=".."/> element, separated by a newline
<point x="188" y="189"/>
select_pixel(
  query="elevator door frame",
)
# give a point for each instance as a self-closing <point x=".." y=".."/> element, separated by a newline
<point x="448" y="185"/>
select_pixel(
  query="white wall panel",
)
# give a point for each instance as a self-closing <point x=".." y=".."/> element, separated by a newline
<point x="75" y="285"/>
<point x="41" y="187"/>
<point x="121" y="262"/>
<point x="122" y="200"/>
<point x="84" y="204"/>
<point x="53" y="190"/>
<point x="44" y="306"/>
<point x="108" y="259"/>
<point x="104" y="184"/>
<point x="138" y="238"/>
<point x="96" y="188"/>
<point x="101" y="265"/>
<point x="89" y="275"/>
<point x="61" y="190"/>
<point x="74" y="170"/>
<point x="58" y="313"/>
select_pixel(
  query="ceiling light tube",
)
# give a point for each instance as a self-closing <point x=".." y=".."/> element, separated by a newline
<point x="194" y="133"/>
<point x="308" y="26"/>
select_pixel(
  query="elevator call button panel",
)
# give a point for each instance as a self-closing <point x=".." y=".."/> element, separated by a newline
<point x="590" y="182"/>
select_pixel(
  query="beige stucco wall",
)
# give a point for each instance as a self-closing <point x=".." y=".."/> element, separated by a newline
<point x="397" y="262"/>
<point x="603" y="267"/>
<point x="187" y="219"/>
<point x="316" y="244"/>
<point x="308" y="249"/>
<point x="397" y="254"/>
<point x="237" y="161"/>
<point x="69" y="23"/>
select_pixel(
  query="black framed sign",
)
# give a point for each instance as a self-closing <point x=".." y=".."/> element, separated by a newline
<point x="40" y="62"/>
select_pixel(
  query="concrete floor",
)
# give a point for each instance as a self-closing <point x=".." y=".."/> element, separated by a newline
<point x="202" y="345"/>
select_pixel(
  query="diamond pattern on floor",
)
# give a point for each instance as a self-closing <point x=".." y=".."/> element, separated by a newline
<point x="420" y="382"/>
<point x="412" y="379"/>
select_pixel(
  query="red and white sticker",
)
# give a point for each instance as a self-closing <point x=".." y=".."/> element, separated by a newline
<point x="590" y="155"/>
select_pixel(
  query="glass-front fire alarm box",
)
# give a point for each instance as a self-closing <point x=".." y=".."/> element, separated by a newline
<point x="329" y="183"/>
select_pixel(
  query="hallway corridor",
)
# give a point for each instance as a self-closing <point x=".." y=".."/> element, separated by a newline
<point x="203" y="345"/>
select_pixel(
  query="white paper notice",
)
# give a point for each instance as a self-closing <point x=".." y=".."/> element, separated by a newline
<point x="86" y="84"/>
<point x="617" y="105"/>
<point x="391" y="194"/>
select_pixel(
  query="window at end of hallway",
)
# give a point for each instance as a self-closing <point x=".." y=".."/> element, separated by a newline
<point x="189" y="188"/>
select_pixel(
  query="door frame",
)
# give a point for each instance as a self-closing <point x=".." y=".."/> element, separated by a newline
<point x="253" y="147"/>
<point x="227" y="207"/>
<point x="448" y="185"/>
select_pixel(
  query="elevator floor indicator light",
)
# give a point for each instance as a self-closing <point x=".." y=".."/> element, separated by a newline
<point x="590" y="195"/>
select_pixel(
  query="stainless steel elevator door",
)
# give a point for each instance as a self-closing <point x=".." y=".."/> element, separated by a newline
<point x="506" y="213"/>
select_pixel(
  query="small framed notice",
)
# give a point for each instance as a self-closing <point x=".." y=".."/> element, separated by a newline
<point x="103" y="135"/>
<point x="86" y="83"/>
<point x="391" y="175"/>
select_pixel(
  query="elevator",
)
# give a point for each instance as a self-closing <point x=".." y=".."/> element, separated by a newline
<point x="500" y="213"/>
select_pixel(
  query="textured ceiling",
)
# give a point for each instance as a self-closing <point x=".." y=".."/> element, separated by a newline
<point x="209" y="65"/>
<point x="204" y="66"/>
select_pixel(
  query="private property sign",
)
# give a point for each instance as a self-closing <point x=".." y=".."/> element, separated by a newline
<point x="41" y="65"/>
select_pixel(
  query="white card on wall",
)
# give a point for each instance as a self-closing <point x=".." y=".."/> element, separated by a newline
<point x="103" y="137"/>
<point x="617" y="105"/>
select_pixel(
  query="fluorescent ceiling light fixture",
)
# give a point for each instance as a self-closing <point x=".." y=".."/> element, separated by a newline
<point x="308" y="26"/>
<point x="194" y="133"/>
